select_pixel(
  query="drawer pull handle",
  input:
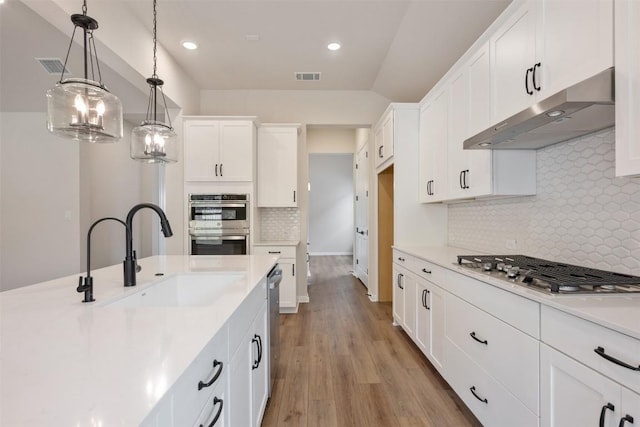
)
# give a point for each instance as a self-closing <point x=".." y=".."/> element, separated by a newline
<point x="473" y="391"/>
<point x="424" y="270"/>
<point x="603" y="412"/>
<point x="473" y="335"/>
<point x="627" y="418"/>
<point x="275" y="252"/>
<point x="601" y="353"/>
<point x="215" y="419"/>
<point x="202" y="384"/>
<point x="400" y="259"/>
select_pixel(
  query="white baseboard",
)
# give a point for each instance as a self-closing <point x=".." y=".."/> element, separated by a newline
<point x="329" y="253"/>
<point x="303" y="299"/>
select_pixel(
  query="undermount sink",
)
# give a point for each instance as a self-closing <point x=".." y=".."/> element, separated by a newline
<point x="180" y="290"/>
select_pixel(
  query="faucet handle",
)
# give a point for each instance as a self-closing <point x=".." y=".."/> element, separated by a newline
<point x="87" y="288"/>
<point x="135" y="259"/>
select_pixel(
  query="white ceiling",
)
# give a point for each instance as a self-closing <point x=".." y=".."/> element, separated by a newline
<point x="397" y="48"/>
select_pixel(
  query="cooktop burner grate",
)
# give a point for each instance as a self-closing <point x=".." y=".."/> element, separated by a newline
<point x="558" y="275"/>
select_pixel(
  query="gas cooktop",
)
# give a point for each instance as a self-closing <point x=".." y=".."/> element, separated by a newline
<point x="549" y="276"/>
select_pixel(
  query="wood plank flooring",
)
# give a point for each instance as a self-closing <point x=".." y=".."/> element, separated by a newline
<point x="343" y="363"/>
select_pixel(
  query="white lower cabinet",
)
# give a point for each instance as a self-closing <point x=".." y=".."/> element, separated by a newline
<point x="248" y="388"/>
<point x="287" y="260"/>
<point x="507" y="354"/>
<point x="573" y="394"/>
<point x="429" y="330"/>
<point x="215" y="411"/>
<point x="592" y="368"/>
<point x="489" y="401"/>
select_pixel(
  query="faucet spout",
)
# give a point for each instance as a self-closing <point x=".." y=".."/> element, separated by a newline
<point x="87" y="286"/>
<point x="130" y="263"/>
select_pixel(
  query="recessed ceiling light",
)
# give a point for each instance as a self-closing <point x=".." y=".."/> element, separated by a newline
<point x="189" y="45"/>
<point x="333" y="46"/>
<point x="252" y="37"/>
<point x="484" y="144"/>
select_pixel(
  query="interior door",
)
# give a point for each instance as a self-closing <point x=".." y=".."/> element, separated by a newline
<point x="361" y="257"/>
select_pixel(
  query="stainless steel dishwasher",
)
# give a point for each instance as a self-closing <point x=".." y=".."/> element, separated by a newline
<point x="273" y="295"/>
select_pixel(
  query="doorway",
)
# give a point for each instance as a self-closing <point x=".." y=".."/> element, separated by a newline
<point x="330" y="204"/>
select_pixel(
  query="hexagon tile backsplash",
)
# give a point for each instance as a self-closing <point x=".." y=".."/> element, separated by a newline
<point x="582" y="214"/>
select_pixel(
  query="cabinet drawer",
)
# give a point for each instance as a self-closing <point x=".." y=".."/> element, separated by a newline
<point x="507" y="354"/>
<point x="501" y="408"/>
<point x="428" y="270"/>
<point x="280" y="251"/>
<point x="580" y="338"/>
<point x="519" y="312"/>
<point x="401" y="258"/>
<point x="216" y="407"/>
<point x="188" y="401"/>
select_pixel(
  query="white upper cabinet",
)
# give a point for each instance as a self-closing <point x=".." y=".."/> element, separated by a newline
<point x="383" y="139"/>
<point x="512" y="61"/>
<point x="278" y="165"/>
<point x="545" y="46"/>
<point x="433" y="147"/>
<point x="627" y="87"/>
<point x="469" y="171"/>
<point x="218" y="150"/>
<point x="447" y="171"/>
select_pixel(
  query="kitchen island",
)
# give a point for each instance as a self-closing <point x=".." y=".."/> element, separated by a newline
<point x="68" y="363"/>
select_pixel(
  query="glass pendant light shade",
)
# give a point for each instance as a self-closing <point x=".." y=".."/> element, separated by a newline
<point x="154" y="142"/>
<point x="80" y="109"/>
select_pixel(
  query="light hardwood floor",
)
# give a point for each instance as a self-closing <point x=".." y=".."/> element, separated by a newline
<point x="343" y="363"/>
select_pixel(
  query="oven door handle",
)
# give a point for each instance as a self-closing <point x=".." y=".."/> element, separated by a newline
<point x="222" y="237"/>
<point x="214" y="204"/>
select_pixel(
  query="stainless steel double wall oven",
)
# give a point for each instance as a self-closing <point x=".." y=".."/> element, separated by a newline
<point x="219" y="224"/>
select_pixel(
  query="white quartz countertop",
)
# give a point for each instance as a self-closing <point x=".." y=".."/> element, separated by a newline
<point x="620" y="312"/>
<point x="68" y="363"/>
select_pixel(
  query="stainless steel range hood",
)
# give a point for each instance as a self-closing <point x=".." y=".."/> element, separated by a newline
<point x="578" y="110"/>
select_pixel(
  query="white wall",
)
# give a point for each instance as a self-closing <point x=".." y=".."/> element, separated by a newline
<point x="331" y="204"/>
<point x="40" y="205"/>
<point x="331" y="140"/>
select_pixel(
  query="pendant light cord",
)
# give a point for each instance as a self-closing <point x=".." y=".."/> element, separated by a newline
<point x="155" y="40"/>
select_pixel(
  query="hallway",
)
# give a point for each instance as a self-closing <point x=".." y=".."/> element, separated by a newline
<point x="344" y="364"/>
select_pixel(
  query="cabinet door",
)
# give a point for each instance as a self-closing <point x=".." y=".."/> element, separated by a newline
<point x="277" y="167"/>
<point x="236" y="150"/>
<point x="288" y="295"/>
<point x="630" y="408"/>
<point x="574" y="42"/>
<point x="512" y="54"/>
<point x="573" y="395"/>
<point x="216" y="409"/>
<point x="201" y="150"/>
<point x="433" y="148"/>
<point x="409" y="295"/>
<point x="399" y="275"/>
<point x="383" y="139"/>
<point x="259" y="369"/>
<point x="627" y="56"/>
<point x="436" y="333"/>
<point x="423" y="316"/>
<point x="240" y="384"/>
<point x="457" y="157"/>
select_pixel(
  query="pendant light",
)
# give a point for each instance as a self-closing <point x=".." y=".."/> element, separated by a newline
<point x="83" y="109"/>
<point x="154" y="141"/>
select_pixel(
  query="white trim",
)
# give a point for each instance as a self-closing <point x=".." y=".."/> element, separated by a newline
<point x="303" y="299"/>
<point x="329" y="253"/>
